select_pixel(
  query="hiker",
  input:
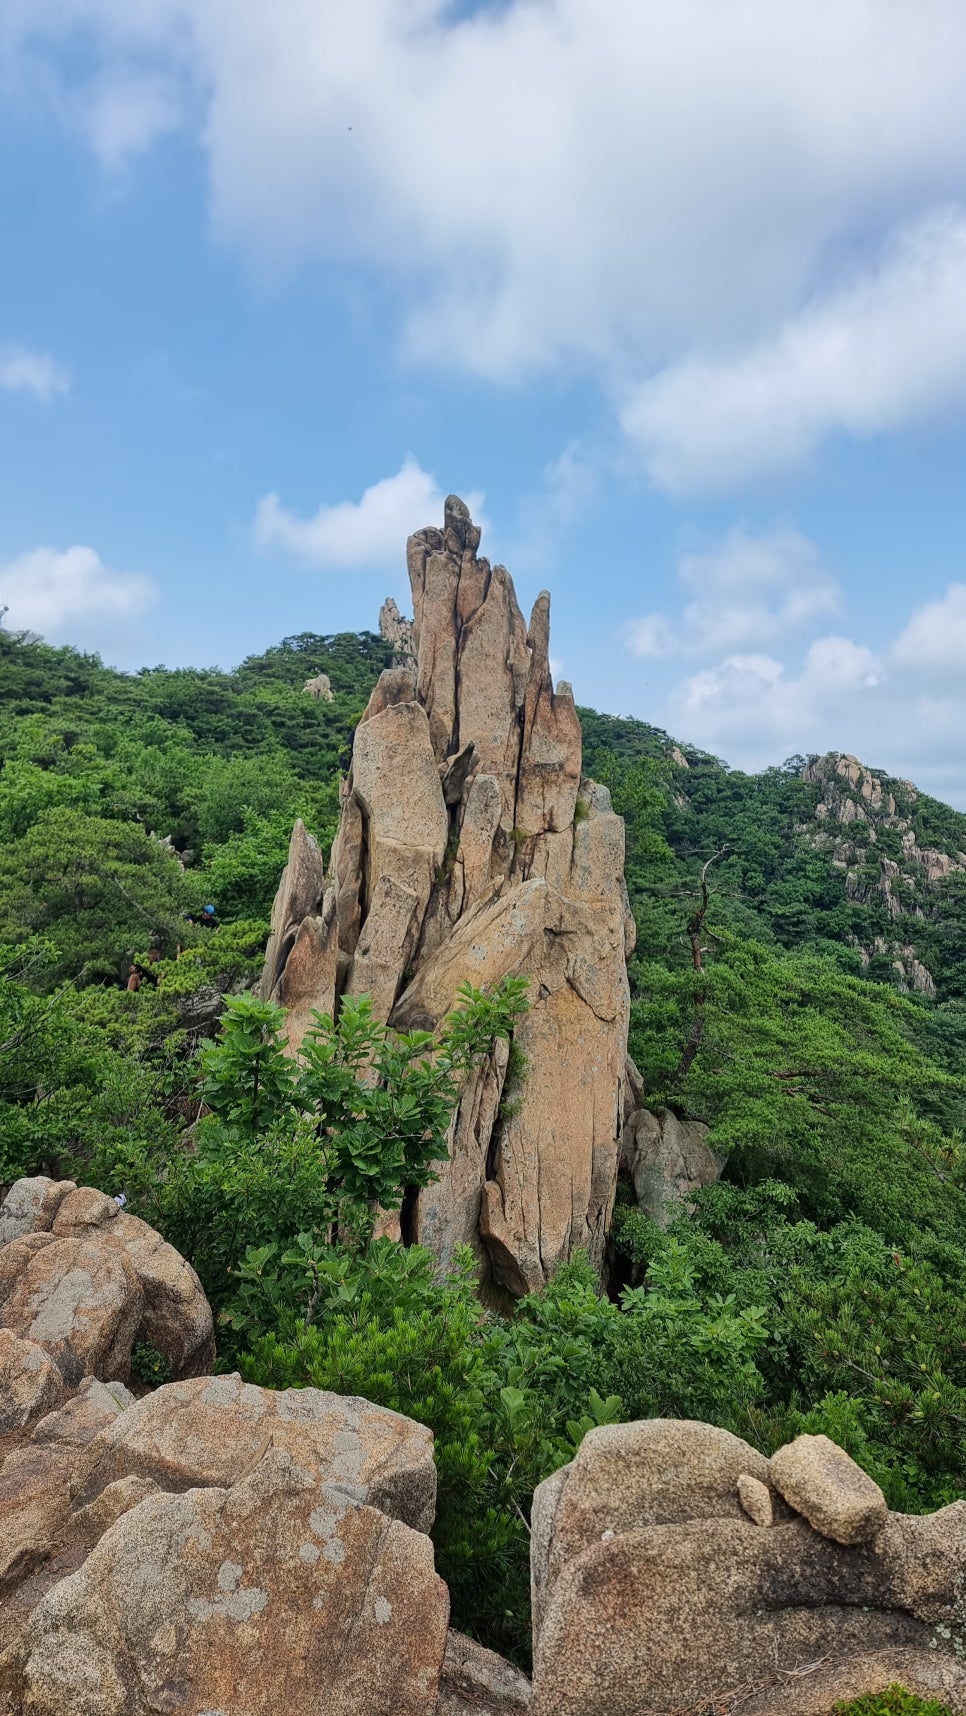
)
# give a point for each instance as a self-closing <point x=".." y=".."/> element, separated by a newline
<point x="134" y="981"/>
<point x="208" y="917"/>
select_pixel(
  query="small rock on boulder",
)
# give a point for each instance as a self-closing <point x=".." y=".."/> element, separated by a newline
<point x="818" y="1479"/>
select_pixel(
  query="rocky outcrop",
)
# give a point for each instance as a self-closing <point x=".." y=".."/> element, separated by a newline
<point x="271" y="1595"/>
<point x="668" y="1161"/>
<point x="320" y="688"/>
<point x="212" y="1430"/>
<point x="663" y="1582"/>
<point x="398" y="631"/>
<point x="212" y="1546"/>
<point x="867" y="825"/>
<point x="470" y="848"/>
<point x="85" y="1281"/>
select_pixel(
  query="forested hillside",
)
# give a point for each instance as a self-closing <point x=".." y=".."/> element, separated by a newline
<point x="799" y="984"/>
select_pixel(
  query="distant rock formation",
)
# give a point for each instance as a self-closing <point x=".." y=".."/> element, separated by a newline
<point x="668" y="1160"/>
<point x="675" y="1569"/>
<point x="320" y="688"/>
<point x="857" y="813"/>
<point x="470" y="848"/>
<point x="398" y="631"/>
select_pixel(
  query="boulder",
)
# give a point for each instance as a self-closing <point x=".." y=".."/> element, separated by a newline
<point x="818" y="1479"/>
<point x="78" y="1299"/>
<point x="668" y="1160"/>
<point x="30" y="1385"/>
<point x="478" y="1682"/>
<point x="319" y="687"/>
<point x="655" y="1592"/>
<point x="258" y="1598"/>
<point x="39" y="1542"/>
<point x="657" y="1472"/>
<point x="31" y="1205"/>
<point x="470" y="848"/>
<point x="211" y="1430"/>
<point x="156" y="1296"/>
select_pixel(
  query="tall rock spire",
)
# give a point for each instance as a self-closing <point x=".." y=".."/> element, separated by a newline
<point x="469" y="848"/>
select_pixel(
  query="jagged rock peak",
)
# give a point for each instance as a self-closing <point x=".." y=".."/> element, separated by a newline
<point x="462" y="855"/>
<point x="398" y="631"/>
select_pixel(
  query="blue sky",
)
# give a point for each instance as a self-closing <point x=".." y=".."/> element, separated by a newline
<point x="677" y="294"/>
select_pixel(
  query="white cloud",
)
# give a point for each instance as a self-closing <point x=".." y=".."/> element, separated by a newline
<point x="124" y="113"/>
<point x="611" y="184"/>
<point x="752" y="708"/>
<point x="651" y="637"/>
<point x="364" y="534"/>
<point x="935" y="637"/>
<point x="748" y="590"/>
<point x="23" y="371"/>
<point x="888" y="349"/>
<point x="48" y="590"/>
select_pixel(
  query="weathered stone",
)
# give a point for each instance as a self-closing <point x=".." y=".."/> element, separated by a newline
<point x="210" y="1430"/>
<point x="319" y="687"/>
<point x="657" y="1472"/>
<point x="299" y="893"/>
<point x="819" y="1479"/>
<point x="82" y="1209"/>
<point x="83" y="1416"/>
<point x="31" y="1205"/>
<point x="259" y="1598"/>
<point x="461" y="857"/>
<point x="38" y="1544"/>
<point x="756" y="1499"/>
<point x="477" y="1682"/>
<point x="397" y="631"/>
<point x="668" y="1598"/>
<point x="77" y="1298"/>
<point x="175" y="1315"/>
<point x="30" y="1385"/>
<point x="448" y="1212"/>
<point x="669" y="1160"/>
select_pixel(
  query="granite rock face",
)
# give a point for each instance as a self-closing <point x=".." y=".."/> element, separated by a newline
<point x="655" y="1591"/>
<point x="668" y="1160"/>
<point x="470" y="848"/>
<point x="86" y="1280"/>
<point x="212" y="1546"/>
<point x="258" y="1600"/>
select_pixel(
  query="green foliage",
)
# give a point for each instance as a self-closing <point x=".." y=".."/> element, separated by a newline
<point x="149" y="1365"/>
<point x="894" y="1701"/>
<point x="316" y="1145"/>
<point x="819" y="1286"/>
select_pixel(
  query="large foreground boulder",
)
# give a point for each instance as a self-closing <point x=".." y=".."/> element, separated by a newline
<point x="212" y="1430"/>
<point x="656" y="1591"/>
<point x="267" y="1596"/>
<point x="470" y="848"/>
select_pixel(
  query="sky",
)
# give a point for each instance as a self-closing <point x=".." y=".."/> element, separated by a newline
<point x="674" y="295"/>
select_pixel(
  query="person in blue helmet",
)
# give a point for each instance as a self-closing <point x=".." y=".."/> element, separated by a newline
<point x="208" y="917"/>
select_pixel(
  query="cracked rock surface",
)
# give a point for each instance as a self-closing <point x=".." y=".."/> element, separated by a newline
<point x="470" y="848"/>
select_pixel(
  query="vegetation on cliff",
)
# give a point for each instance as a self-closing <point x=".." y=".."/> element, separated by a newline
<point x="820" y="1285"/>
